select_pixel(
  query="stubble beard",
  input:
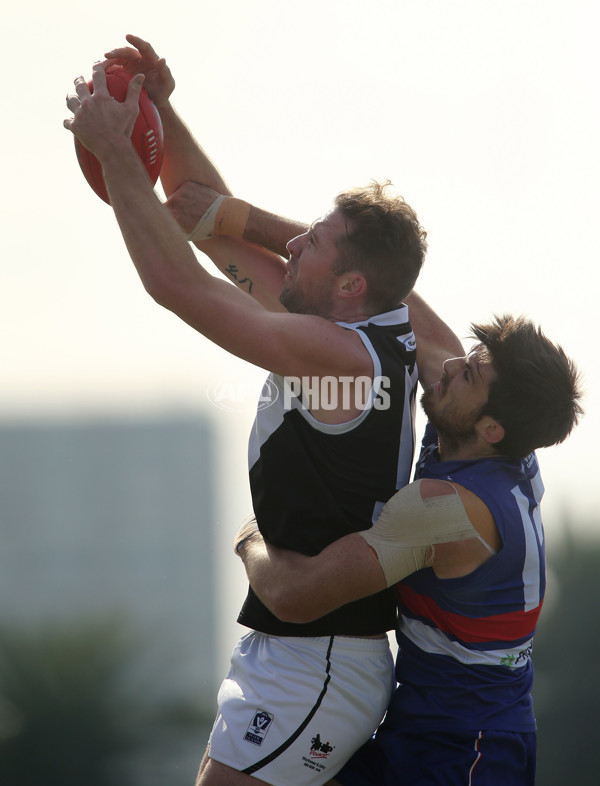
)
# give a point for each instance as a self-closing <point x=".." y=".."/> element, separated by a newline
<point x="455" y="431"/>
<point x="297" y="303"/>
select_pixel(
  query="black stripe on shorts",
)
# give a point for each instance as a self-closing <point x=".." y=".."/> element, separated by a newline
<point x="293" y="737"/>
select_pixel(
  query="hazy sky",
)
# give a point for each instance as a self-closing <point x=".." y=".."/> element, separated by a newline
<point x="484" y="114"/>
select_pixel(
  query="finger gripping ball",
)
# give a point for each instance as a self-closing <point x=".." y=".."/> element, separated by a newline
<point x="146" y="137"/>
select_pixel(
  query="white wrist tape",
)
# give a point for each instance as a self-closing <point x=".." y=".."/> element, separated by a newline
<point x="409" y="525"/>
<point x="225" y="216"/>
<point x="206" y="224"/>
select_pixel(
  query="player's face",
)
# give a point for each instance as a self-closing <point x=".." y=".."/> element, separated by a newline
<point x="453" y="404"/>
<point x="309" y="283"/>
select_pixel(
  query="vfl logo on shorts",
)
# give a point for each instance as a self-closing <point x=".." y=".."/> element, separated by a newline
<point x="258" y="728"/>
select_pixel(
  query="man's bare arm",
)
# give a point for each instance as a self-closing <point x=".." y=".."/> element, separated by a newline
<point x="192" y="199"/>
<point x="436" y="342"/>
<point x="260" y="275"/>
<point x="184" y="159"/>
<point x="297" y="588"/>
<point x="292" y="344"/>
<point x="192" y="183"/>
<point x="251" y="268"/>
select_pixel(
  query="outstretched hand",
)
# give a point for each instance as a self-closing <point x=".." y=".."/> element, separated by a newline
<point x="98" y="119"/>
<point x="144" y="60"/>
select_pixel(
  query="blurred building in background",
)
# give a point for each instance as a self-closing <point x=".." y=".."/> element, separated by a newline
<point x="115" y="518"/>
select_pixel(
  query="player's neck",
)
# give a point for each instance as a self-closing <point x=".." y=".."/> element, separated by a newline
<point x="349" y="315"/>
<point x="464" y="450"/>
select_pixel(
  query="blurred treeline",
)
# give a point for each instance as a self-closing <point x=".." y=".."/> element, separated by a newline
<point x="78" y="706"/>
<point x="74" y="710"/>
<point x="567" y="676"/>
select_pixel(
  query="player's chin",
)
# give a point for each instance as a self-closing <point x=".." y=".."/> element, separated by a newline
<point x="285" y="296"/>
<point x="428" y="398"/>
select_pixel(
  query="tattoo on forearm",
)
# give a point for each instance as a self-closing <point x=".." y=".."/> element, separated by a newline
<point x="234" y="273"/>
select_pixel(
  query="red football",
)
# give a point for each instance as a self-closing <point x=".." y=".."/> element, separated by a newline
<point x="147" y="134"/>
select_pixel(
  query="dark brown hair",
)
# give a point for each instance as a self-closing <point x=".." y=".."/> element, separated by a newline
<point x="536" y="394"/>
<point x="385" y="242"/>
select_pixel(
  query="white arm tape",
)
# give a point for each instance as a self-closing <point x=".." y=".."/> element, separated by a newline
<point x="408" y="525"/>
<point x="205" y="226"/>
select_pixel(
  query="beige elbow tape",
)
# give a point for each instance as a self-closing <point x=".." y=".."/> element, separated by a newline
<point x="225" y="216"/>
<point x="409" y="525"/>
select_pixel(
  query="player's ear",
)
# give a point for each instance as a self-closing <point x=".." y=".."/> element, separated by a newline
<point x="489" y="430"/>
<point x="352" y="284"/>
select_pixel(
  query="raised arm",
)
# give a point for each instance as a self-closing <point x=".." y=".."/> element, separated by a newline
<point x="436" y="341"/>
<point x="192" y="183"/>
<point x="184" y="159"/>
<point x="193" y="199"/>
<point x="236" y="257"/>
<point x="292" y="344"/>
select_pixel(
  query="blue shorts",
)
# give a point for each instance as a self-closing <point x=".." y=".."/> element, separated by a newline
<point x="487" y="758"/>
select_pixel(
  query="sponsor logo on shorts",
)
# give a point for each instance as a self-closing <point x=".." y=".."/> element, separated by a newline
<point x="318" y="749"/>
<point x="318" y="754"/>
<point x="259" y="726"/>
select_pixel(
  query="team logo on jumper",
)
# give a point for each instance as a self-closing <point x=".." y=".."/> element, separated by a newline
<point x="318" y="749"/>
<point x="408" y="341"/>
<point x="259" y="726"/>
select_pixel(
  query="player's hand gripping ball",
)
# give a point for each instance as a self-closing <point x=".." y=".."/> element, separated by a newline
<point x="146" y="137"/>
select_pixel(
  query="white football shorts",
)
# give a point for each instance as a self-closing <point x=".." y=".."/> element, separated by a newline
<point x="292" y="711"/>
